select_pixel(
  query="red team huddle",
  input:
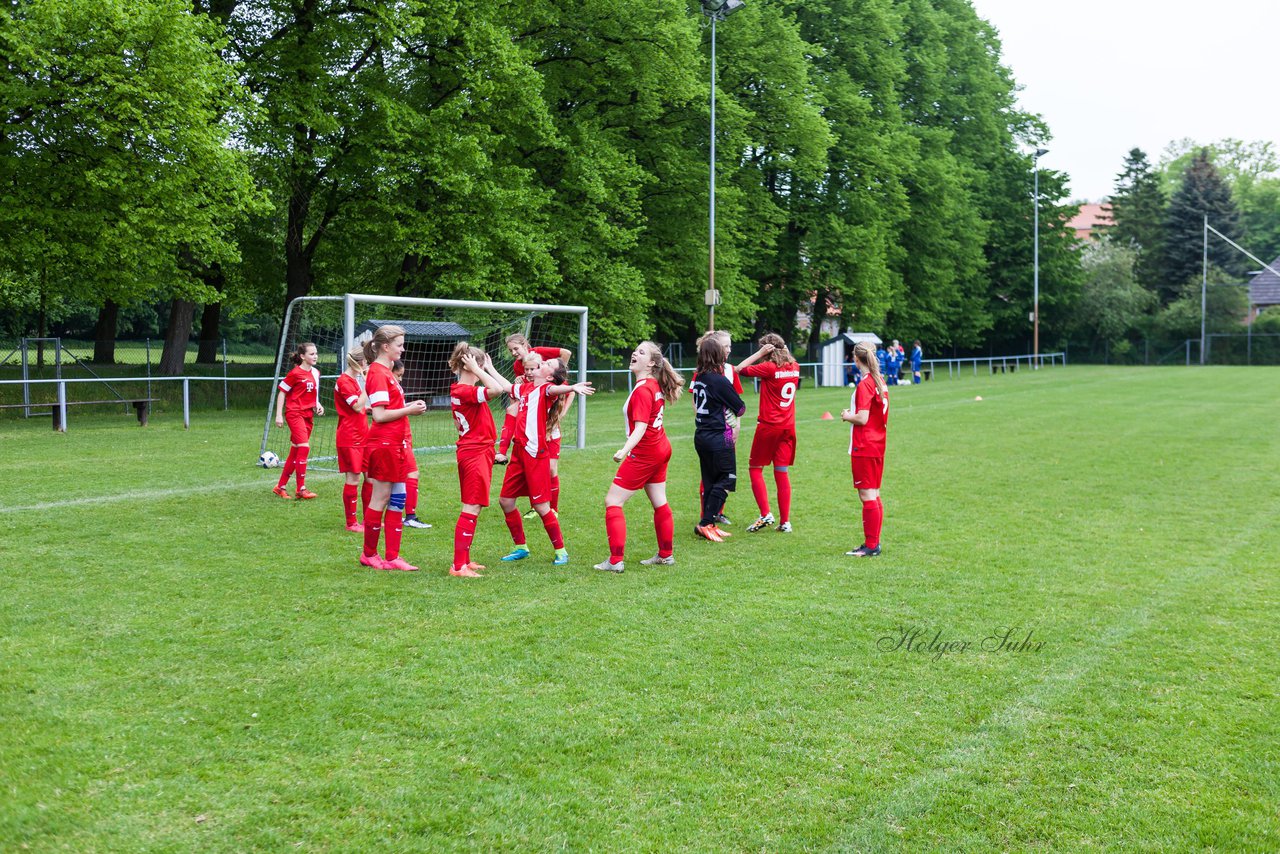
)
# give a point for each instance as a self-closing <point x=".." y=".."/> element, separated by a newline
<point x="374" y="439"/>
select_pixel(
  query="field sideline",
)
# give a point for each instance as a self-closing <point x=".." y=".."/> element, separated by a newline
<point x="182" y="672"/>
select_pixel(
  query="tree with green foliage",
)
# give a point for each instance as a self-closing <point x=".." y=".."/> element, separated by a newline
<point x="1202" y="193"/>
<point x="1113" y="303"/>
<point x="1139" y="212"/>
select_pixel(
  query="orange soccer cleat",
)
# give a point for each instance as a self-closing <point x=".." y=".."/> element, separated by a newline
<point x="399" y="564"/>
<point x="464" y="571"/>
<point x="281" y="491"/>
<point x="305" y="494"/>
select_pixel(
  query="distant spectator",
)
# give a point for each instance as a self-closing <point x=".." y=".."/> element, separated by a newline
<point x="917" y="356"/>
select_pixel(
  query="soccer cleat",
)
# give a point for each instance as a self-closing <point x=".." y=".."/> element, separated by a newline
<point x="724" y="534"/>
<point x="372" y="561"/>
<point x="282" y="492"/>
<point x="863" y="551"/>
<point x="562" y="558"/>
<point x="305" y="494"/>
<point x="414" y="522"/>
<point x="476" y="567"/>
<point x="606" y="566"/>
<point x="532" y="514"/>
<point x="659" y="560"/>
<point x="708" y="532"/>
<point x="464" y="571"/>
<point x="356" y="528"/>
<point x="518" y="553"/>
<point x="760" y="524"/>
<point x="399" y="564"/>
<point x="723" y="520"/>
<point x="784" y="528"/>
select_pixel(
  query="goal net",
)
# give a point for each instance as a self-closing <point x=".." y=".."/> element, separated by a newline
<point x="338" y="324"/>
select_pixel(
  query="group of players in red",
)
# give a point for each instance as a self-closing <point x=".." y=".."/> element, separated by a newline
<point x="529" y="443"/>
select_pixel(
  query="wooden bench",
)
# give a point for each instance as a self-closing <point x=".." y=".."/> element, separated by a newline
<point x="141" y="406"/>
<point x="1000" y="369"/>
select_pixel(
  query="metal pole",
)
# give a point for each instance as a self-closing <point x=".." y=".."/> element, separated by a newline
<point x="26" y="380"/>
<point x="582" y="377"/>
<point x="1204" y="283"/>
<point x="1035" y="309"/>
<point x="711" y="309"/>
<point x="186" y="403"/>
<point x="62" y="407"/>
<point x="226" y="399"/>
<point x="148" y="368"/>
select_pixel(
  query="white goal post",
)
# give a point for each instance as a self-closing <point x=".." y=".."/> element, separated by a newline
<point x="338" y="323"/>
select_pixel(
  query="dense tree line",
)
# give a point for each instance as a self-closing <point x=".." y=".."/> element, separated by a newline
<point x="218" y="158"/>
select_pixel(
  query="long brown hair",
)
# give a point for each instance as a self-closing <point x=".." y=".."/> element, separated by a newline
<point x="865" y="354"/>
<point x="670" y="383"/>
<point x="559" y="376"/>
<point x="460" y="350"/>
<point x="710" y="355"/>
<point x="780" y="355"/>
<point x="297" y="355"/>
<point x="381" y="338"/>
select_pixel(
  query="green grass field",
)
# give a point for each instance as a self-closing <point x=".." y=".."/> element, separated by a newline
<point x="191" y="664"/>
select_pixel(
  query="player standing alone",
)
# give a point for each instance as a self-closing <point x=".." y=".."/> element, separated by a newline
<point x="870" y="419"/>
<point x="644" y="457"/>
<point x="350" y="402"/>
<point x="297" y="402"/>
<point x="774" y="442"/>
<point x="386" y="461"/>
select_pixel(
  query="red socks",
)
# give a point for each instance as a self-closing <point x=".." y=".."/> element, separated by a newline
<point x="782" y="480"/>
<point x="300" y="465"/>
<point x="552" y="524"/>
<point x="615" y="526"/>
<point x="372" y="528"/>
<point x="872" y="519"/>
<point x="555" y="494"/>
<point x="393" y="522"/>
<point x="349" y="507"/>
<point x="664" y="525"/>
<point x="515" y="524"/>
<point x="759" y="490"/>
<point x="411" y="496"/>
<point x="463" y="533"/>
<point x="288" y="468"/>
<point x="366" y="489"/>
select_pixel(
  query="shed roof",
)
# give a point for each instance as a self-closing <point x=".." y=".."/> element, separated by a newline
<point x="1264" y="289"/>
<point x="418" y="330"/>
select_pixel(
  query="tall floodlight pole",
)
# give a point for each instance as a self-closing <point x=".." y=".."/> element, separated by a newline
<point x="1204" y="283"/>
<point x="716" y="10"/>
<point x="1035" y="250"/>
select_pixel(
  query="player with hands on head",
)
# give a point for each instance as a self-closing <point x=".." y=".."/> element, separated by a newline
<point x="298" y="403"/>
<point x="643" y="457"/>
<point x="774" y="442"/>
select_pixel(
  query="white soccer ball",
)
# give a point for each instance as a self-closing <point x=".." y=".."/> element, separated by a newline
<point x="269" y="460"/>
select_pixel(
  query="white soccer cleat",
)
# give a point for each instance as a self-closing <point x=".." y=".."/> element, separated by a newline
<point x="606" y="566"/>
<point x="415" y="522"/>
<point x="784" y="528"/>
<point x="659" y="560"/>
<point x="760" y="524"/>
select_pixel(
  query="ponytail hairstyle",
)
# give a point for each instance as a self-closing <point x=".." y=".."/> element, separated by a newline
<point x="865" y="353"/>
<point x="780" y="355"/>
<point x="381" y="338"/>
<point x="670" y="383"/>
<point x="559" y="376"/>
<point x="710" y="355"/>
<point x="460" y="351"/>
<point x="356" y="361"/>
<point x="297" y="355"/>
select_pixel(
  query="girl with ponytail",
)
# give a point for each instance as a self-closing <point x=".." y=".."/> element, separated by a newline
<point x="351" y="404"/>
<point x="774" y="442"/>
<point x="869" y="415"/>
<point x="297" y="403"/>
<point x="643" y="457"/>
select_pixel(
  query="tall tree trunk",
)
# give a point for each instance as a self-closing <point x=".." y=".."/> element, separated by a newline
<point x="104" y="334"/>
<point x="176" y="336"/>
<point x="815" y="327"/>
<point x="211" y="317"/>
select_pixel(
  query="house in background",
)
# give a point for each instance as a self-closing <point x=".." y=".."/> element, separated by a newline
<point x="1264" y="291"/>
<point x="1091" y="221"/>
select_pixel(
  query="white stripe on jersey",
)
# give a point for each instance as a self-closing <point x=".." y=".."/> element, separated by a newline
<point x="351" y="401"/>
<point x="382" y="397"/>
<point x="533" y="404"/>
<point x="285" y="386"/>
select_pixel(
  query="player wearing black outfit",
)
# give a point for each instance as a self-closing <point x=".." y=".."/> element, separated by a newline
<point x="713" y="399"/>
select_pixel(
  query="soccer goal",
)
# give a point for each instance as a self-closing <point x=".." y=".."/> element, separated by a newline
<point x="338" y="324"/>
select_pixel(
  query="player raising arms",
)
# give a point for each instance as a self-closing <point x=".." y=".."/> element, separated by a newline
<point x="870" y="419"/>
<point x="518" y="346"/>
<point x="412" y="477"/>
<point x="297" y="402"/>
<point x="386" y="460"/>
<point x="529" y="471"/>
<point x="714" y="401"/>
<point x="644" y="457"/>
<point x="774" y="442"/>
<point x="476" y="435"/>
<point x="351" y="403"/>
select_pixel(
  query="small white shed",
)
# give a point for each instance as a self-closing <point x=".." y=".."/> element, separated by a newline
<point x="836" y="353"/>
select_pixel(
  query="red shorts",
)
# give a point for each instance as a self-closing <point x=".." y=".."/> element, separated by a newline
<point x="300" y="424"/>
<point x="867" y="472"/>
<point x="386" y="463"/>
<point x="773" y="446"/>
<point x="475" y="475"/>
<point x="351" y="459"/>
<point x="529" y="476"/>
<point x="636" y="472"/>
<point x="553" y="448"/>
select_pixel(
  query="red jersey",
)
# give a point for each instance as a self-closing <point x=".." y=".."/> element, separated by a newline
<point x="645" y="405"/>
<point x="383" y="390"/>
<point x="531" y="419"/>
<point x="471" y="415"/>
<point x="301" y="387"/>
<point x="868" y="440"/>
<point x="353" y="426"/>
<point x="778" y="384"/>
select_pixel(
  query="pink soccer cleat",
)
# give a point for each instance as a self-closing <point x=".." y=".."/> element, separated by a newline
<point x="399" y="564"/>
<point x="464" y="571"/>
<point x="372" y="561"/>
<point x="356" y="528"/>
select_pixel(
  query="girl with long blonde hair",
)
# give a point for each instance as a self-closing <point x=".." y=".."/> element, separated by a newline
<point x="869" y="415"/>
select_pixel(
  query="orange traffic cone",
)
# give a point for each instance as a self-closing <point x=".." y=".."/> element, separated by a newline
<point x="826" y="416"/>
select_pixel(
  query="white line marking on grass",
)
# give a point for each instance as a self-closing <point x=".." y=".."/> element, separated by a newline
<point x="137" y="495"/>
